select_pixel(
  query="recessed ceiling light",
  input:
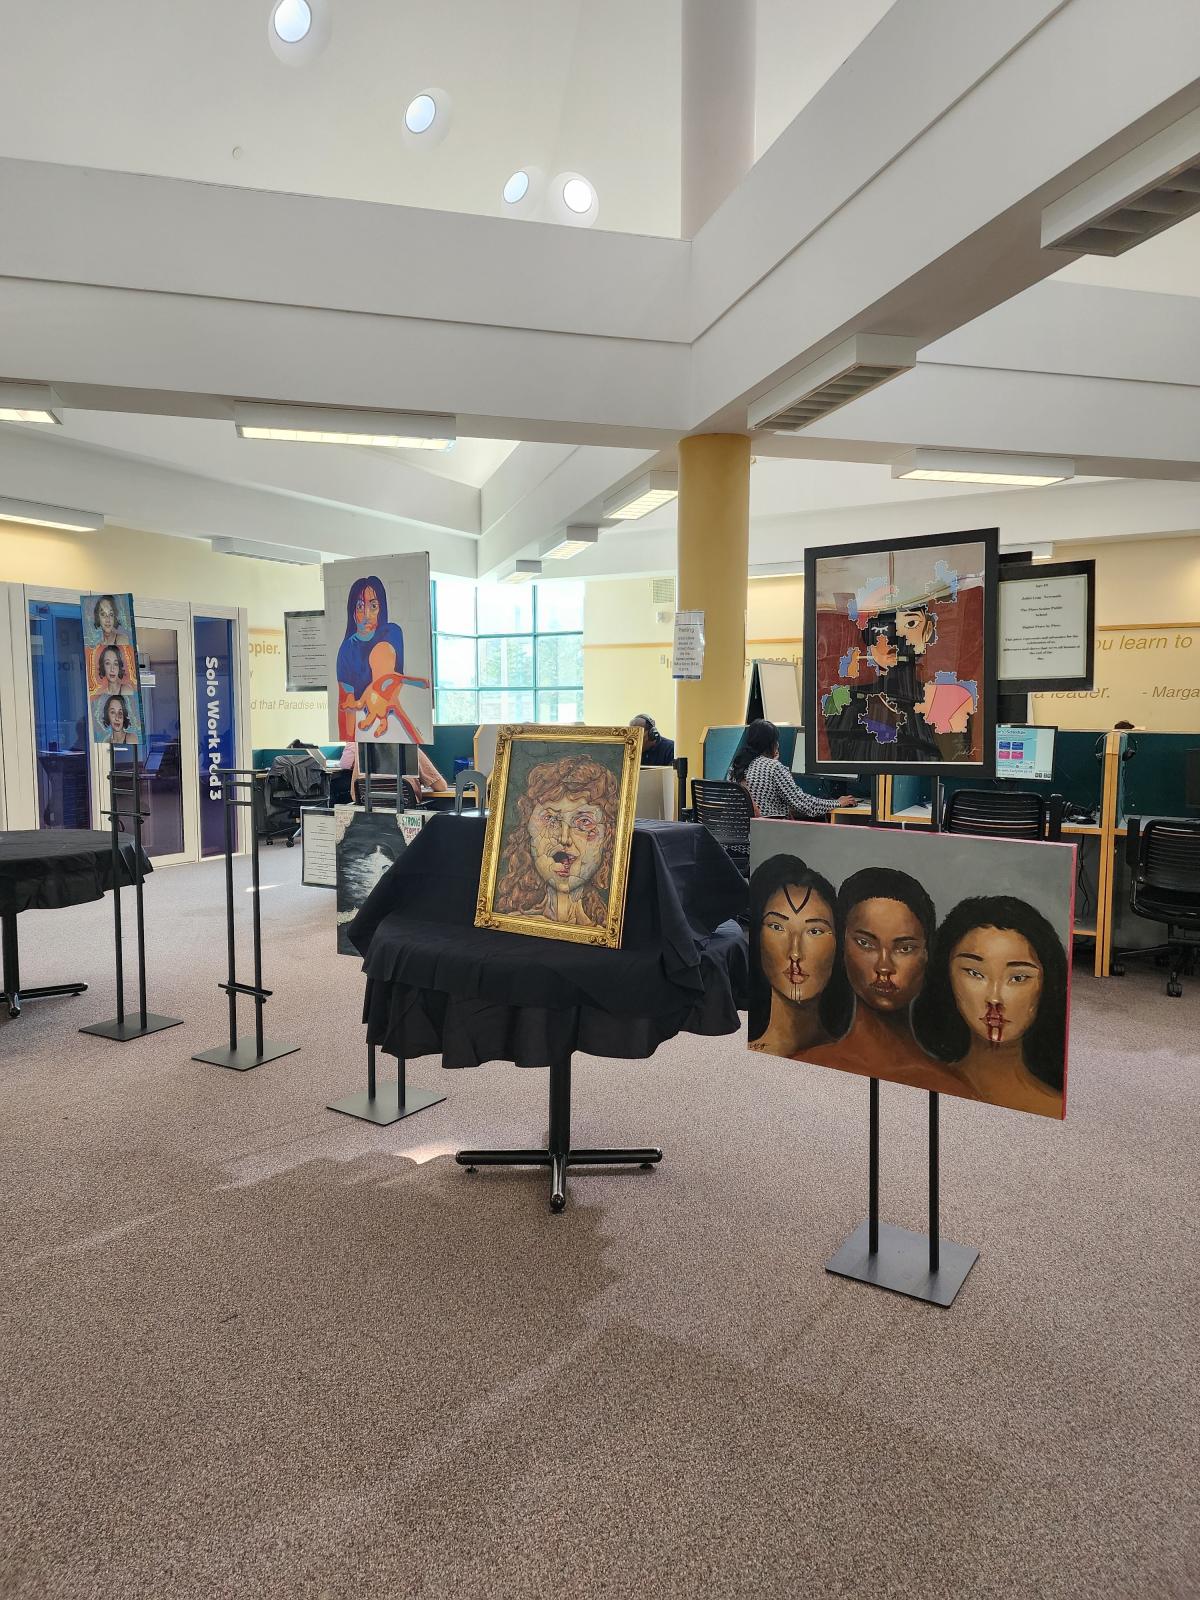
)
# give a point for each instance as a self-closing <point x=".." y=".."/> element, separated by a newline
<point x="43" y="516"/>
<point x="292" y="20"/>
<point x="573" y="200"/>
<point x="516" y="188"/>
<point x="420" y="114"/>
<point x="298" y="30"/>
<point x="396" y="430"/>
<point x="643" y="495"/>
<point x="578" y="195"/>
<point x="29" y="402"/>
<point x="971" y="466"/>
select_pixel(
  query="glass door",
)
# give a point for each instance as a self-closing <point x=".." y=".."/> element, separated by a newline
<point x="164" y="832"/>
<point x="62" y="736"/>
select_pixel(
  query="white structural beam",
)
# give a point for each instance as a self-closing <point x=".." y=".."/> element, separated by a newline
<point x="717" y="47"/>
<point x="160" y="499"/>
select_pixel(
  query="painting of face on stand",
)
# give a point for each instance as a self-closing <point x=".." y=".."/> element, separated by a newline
<point x="925" y="959"/>
<point x="903" y="671"/>
<point x="556" y="851"/>
<point x="379" y="650"/>
<point x="110" y="658"/>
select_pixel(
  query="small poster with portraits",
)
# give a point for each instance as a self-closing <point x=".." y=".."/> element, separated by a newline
<point x="111" y="664"/>
<point x="939" y="961"/>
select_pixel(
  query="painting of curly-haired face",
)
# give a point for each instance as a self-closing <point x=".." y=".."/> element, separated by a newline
<point x="560" y="832"/>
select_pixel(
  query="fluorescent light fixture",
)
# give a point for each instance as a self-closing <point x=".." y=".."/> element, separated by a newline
<point x="1138" y="196"/>
<point x="521" y="572"/>
<point x="969" y="466"/>
<point x="570" y="542"/>
<point x="842" y="374"/>
<point x="43" y="516"/>
<point x="395" y="430"/>
<point x="776" y="569"/>
<point x="262" y="551"/>
<point x="29" y="402"/>
<point x="1035" y="552"/>
<point x="643" y="495"/>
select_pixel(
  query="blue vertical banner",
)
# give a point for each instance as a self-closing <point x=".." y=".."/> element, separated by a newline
<point x="216" y="727"/>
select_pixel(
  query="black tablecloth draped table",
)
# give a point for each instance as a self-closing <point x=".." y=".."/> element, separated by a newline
<point x="43" y="869"/>
<point x="437" y="984"/>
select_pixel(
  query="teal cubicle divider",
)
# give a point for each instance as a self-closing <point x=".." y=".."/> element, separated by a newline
<point x="261" y="759"/>
<point x="1152" y="781"/>
<point x="721" y="745"/>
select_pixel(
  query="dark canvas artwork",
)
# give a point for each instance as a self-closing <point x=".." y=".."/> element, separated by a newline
<point x="932" y="960"/>
<point x="900" y="655"/>
<point x="368" y="844"/>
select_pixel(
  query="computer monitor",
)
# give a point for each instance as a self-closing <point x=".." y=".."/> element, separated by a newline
<point x="1025" y="752"/>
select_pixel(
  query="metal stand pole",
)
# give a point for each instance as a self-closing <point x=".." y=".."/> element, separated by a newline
<point x="873" y="1172"/>
<point x="130" y="789"/>
<point x="559" y="1154"/>
<point x="240" y="1055"/>
<point x="914" y="1264"/>
<point x="934" y="1224"/>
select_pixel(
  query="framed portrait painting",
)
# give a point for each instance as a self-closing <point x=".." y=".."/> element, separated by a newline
<point x="934" y="960"/>
<point x="556" y="850"/>
<point x="900" y="656"/>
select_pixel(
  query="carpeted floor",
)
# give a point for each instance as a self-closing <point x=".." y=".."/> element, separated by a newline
<point x="251" y="1348"/>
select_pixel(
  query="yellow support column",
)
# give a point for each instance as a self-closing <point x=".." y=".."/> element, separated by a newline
<point x="713" y="565"/>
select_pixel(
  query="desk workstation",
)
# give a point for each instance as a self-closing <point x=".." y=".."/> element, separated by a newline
<point x="720" y="745"/>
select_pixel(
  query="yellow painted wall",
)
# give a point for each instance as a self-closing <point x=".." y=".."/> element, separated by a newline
<point x="627" y="652"/>
<point x="161" y="568"/>
<point x="1147" y="638"/>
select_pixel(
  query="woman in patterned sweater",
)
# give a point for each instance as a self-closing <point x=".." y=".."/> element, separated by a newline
<point x="768" y="782"/>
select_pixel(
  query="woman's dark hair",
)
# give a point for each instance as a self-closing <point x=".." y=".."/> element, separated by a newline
<point x="885" y="883"/>
<point x="114" y="699"/>
<point x="835" y="1003"/>
<point x="760" y="739"/>
<point x="357" y="589"/>
<point x="107" y="649"/>
<point x="937" y="1022"/>
<point x="100" y="599"/>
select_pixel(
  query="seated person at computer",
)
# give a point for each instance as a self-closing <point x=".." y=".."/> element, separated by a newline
<point x="772" y="789"/>
<point x="428" y="779"/>
<point x="657" y="750"/>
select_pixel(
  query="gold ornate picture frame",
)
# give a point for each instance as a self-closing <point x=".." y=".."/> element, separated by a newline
<point x="559" y="830"/>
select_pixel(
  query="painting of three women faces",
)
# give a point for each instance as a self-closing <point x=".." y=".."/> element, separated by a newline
<point x="930" y="961"/>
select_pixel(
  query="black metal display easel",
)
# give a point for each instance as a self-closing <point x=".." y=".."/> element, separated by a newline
<point x="242" y="1054"/>
<point x="922" y="1266"/>
<point x="389" y="1103"/>
<point x="125" y="784"/>
<point x="393" y="1101"/>
<point x="558" y="1155"/>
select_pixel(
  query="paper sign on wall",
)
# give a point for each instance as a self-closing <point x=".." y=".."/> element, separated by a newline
<point x="687" y="659"/>
<point x="305" y="650"/>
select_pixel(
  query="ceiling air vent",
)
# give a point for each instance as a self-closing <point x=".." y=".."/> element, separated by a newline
<point x="836" y="378"/>
<point x="662" y="591"/>
<point x="1145" y="192"/>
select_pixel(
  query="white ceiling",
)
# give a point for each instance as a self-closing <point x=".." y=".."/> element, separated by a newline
<point x="597" y="350"/>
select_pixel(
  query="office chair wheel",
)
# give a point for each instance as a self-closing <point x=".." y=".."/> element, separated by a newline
<point x="471" y="1170"/>
<point x="1117" y="970"/>
<point x="290" y="843"/>
<point x="1174" y="988"/>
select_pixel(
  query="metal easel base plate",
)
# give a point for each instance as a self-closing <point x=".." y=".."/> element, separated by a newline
<point x="902" y="1263"/>
<point x="385" y="1108"/>
<point x="132" y="1028"/>
<point x="245" y="1056"/>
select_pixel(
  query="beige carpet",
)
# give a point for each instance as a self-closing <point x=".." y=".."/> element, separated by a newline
<point x="251" y="1348"/>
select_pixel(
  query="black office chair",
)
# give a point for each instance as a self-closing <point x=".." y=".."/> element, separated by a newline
<point x="469" y="778"/>
<point x="1003" y="814"/>
<point x="725" y="809"/>
<point x="1164" y="857"/>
